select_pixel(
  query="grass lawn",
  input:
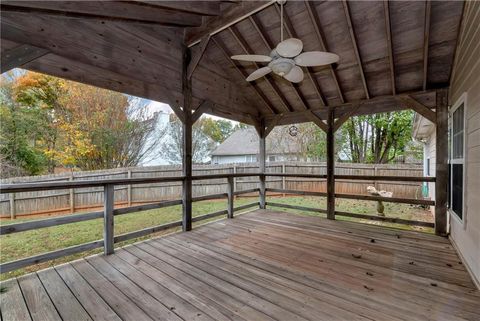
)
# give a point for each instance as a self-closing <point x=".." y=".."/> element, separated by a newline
<point x="24" y="244"/>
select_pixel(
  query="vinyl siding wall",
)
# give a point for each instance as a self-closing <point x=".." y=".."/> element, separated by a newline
<point x="466" y="79"/>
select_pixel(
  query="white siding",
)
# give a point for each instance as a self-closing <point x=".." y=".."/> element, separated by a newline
<point x="430" y="148"/>
<point x="466" y="78"/>
<point x="229" y="159"/>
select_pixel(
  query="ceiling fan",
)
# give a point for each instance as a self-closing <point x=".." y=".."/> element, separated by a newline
<point x="287" y="58"/>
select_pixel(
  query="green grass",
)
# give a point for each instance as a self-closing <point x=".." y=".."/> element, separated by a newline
<point x="20" y="245"/>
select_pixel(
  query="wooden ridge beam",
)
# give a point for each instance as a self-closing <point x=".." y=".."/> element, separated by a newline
<point x="246" y="48"/>
<point x="196" y="59"/>
<point x="428" y="9"/>
<point x="292" y="33"/>
<point x="20" y="56"/>
<point x="321" y="38"/>
<point x="213" y="25"/>
<point x="389" y="45"/>
<point x="244" y="74"/>
<point x="269" y="44"/>
<point x="419" y="108"/>
<point x="355" y="47"/>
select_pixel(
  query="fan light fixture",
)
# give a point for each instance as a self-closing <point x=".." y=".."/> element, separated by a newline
<point x="287" y="58"/>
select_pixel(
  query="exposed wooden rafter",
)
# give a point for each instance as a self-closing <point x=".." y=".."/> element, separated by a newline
<point x="291" y="32"/>
<point x="389" y="45"/>
<point x="355" y="47"/>
<point x="227" y="54"/>
<point x="20" y="55"/>
<point x="269" y="44"/>
<point x="206" y="8"/>
<point x="246" y="48"/>
<point x="428" y="8"/>
<point x="130" y="12"/>
<point x="321" y="39"/>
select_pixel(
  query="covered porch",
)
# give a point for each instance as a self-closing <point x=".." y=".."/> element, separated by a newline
<point x="264" y="265"/>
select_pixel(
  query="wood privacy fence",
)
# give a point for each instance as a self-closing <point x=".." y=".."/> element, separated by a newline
<point x="79" y="199"/>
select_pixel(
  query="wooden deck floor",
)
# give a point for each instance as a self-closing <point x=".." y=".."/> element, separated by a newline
<point x="260" y="266"/>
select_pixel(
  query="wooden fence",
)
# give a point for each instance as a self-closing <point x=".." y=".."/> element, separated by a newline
<point x="80" y="199"/>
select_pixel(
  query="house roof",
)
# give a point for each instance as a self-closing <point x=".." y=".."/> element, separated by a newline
<point x="245" y="142"/>
<point x="422" y="127"/>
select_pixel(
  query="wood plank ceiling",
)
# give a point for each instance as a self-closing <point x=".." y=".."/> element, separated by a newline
<point x="385" y="49"/>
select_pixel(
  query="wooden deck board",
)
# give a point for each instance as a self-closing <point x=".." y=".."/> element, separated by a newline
<point x="264" y="265"/>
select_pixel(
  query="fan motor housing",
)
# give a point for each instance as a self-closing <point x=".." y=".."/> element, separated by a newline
<point x="281" y="66"/>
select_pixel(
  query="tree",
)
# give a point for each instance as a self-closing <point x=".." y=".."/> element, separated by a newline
<point x="378" y="138"/>
<point x="172" y="146"/>
<point x="217" y="130"/>
<point x="24" y="128"/>
<point x="47" y="121"/>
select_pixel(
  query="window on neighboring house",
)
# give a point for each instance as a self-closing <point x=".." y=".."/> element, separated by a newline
<point x="250" y="158"/>
<point x="271" y="158"/>
<point x="457" y="160"/>
<point x="428" y="166"/>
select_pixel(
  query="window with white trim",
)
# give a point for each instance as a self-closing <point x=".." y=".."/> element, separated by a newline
<point x="457" y="159"/>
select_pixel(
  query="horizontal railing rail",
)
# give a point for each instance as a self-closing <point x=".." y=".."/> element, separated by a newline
<point x="110" y="212"/>
<point x="109" y="191"/>
<point x="377" y="178"/>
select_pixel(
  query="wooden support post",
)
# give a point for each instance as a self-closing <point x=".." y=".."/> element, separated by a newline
<point x="72" y="196"/>
<point x="330" y="166"/>
<point x="108" y="199"/>
<point x="187" y="145"/>
<point x="13" y="212"/>
<point x="261" y="161"/>
<point x="129" y="189"/>
<point x="441" y="168"/>
<point x="230" y="194"/>
<point x="235" y="187"/>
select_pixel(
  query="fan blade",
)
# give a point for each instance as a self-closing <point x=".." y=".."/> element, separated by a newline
<point x="290" y="47"/>
<point x="259" y="73"/>
<point x="316" y="58"/>
<point x="295" y="75"/>
<point x="256" y="58"/>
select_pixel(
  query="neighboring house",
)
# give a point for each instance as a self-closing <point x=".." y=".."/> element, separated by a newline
<point x="243" y="147"/>
<point x="464" y="147"/>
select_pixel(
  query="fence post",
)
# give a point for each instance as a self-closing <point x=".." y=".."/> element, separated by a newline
<point x="13" y="212"/>
<point x="235" y="187"/>
<point x="375" y="172"/>
<point x="108" y="195"/>
<point x="72" y="197"/>
<point x="284" y="184"/>
<point x="129" y="189"/>
<point x="230" y="192"/>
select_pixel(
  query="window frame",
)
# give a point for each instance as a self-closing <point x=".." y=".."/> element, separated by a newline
<point x="451" y="161"/>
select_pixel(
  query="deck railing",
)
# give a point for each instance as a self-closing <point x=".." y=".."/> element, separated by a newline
<point x="109" y="212"/>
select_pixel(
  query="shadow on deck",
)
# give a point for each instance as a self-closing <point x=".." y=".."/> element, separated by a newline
<point x="264" y="265"/>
